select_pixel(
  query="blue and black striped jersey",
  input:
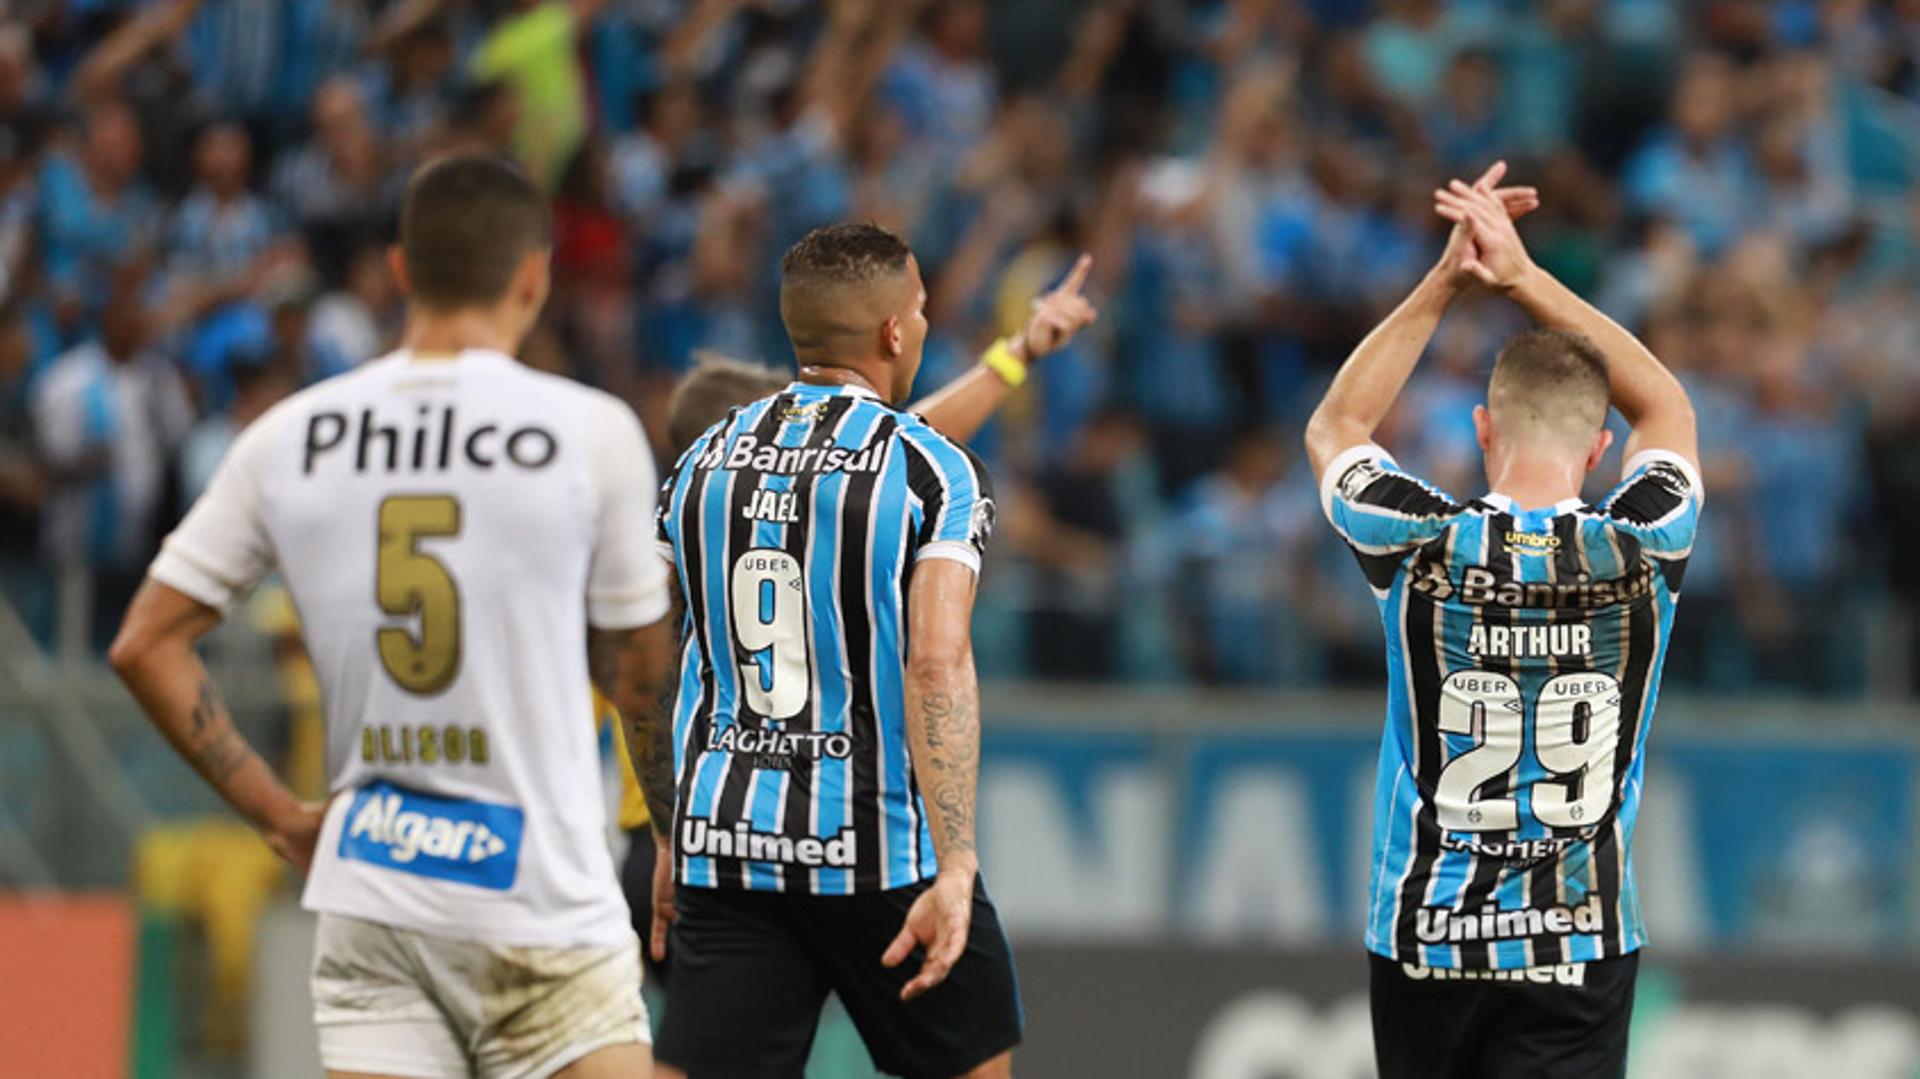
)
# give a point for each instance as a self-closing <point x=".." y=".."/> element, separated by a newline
<point x="1524" y="650"/>
<point x="795" y="525"/>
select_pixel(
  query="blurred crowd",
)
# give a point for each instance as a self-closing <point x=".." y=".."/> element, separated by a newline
<point x="195" y="198"/>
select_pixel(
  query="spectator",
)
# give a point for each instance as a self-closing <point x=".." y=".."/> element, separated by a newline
<point x="107" y="416"/>
<point x="94" y="213"/>
<point x="358" y="321"/>
<point x="1695" y="172"/>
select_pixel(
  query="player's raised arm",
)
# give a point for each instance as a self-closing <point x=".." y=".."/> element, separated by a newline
<point x="961" y="407"/>
<point x="1365" y="388"/>
<point x="1646" y="393"/>
<point x="943" y="732"/>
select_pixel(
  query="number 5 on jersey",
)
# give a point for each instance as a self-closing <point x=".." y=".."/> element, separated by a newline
<point x="410" y="583"/>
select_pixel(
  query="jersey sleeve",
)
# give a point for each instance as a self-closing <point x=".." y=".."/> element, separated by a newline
<point x="222" y="547"/>
<point x="1658" y="503"/>
<point x="627" y="582"/>
<point x="956" y="500"/>
<point x="1380" y="511"/>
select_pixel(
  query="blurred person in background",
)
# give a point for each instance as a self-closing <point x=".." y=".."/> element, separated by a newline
<point x="94" y="214"/>
<point x="357" y="321"/>
<point x="107" y="417"/>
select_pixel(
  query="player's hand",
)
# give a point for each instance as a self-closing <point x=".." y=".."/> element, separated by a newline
<point x="1517" y="201"/>
<point x="663" y="909"/>
<point x="1057" y="316"/>
<point x="939" y="922"/>
<point x="294" y="836"/>
<point x="1495" y="255"/>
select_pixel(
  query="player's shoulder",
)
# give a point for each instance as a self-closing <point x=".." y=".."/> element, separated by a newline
<point x="914" y="430"/>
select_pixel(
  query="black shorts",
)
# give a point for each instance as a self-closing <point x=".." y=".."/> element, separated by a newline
<point x="751" y="971"/>
<point x="1441" y="1026"/>
<point x="636" y="880"/>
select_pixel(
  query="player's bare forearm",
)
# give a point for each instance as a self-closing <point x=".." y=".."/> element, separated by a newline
<point x="943" y="708"/>
<point x="634" y="669"/>
<point x="943" y="732"/>
<point x="961" y="407"/>
<point x="1366" y="386"/>
<point x="154" y="655"/>
<point x="1653" y="401"/>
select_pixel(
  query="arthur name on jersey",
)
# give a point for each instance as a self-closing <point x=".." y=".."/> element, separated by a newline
<point x="747" y="453"/>
<point x="1558" y="641"/>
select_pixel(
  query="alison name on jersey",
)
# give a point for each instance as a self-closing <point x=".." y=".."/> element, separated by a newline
<point x="431" y="440"/>
<point x="747" y="453"/>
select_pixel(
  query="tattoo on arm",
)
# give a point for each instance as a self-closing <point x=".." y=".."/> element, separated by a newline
<point x="214" y="747"/>
<point x="650" y="746"/>
<point x="950" y="729"/>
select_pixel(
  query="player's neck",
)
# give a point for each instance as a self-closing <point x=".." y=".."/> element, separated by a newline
<point x="449" y="333"/>
<point x="1535" y="481"/>
<point x="825" y="375"/>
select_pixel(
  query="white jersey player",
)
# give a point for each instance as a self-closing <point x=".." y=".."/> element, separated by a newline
<point x="450" y="524"/>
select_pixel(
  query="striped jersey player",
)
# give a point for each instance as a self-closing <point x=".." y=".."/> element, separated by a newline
<point x="795" y="524"/>
<point x="1524" y="651"/>
<point x="1525" y="634"/>
<point x="827" y="723"/>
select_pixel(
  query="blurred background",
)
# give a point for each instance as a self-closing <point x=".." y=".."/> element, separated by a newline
<point x="1184" y="667"/>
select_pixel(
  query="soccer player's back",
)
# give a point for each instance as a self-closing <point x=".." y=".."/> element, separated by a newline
<point x="456" y="531"/>
<point x="827" y="720"/>
<point x="1525" y="635"/>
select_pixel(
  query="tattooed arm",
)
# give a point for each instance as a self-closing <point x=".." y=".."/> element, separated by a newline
<point x="634" y="670"/>
<point x="154" y="655"/>
<point x="943" y="732"/>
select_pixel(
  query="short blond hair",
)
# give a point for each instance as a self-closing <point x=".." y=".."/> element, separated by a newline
<point x="1550" y="383"/>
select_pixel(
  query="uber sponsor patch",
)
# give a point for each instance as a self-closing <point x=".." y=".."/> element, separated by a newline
<point x="476" y="843"/>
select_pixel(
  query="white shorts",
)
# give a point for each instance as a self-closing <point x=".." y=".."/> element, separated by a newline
<point x="397" y="1002"/>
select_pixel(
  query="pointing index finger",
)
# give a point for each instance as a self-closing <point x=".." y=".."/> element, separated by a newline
<point x="1077" y="277"/>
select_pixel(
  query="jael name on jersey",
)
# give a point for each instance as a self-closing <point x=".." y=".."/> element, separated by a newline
<point x="434" y="441"/>
<point x="450" y="839"/>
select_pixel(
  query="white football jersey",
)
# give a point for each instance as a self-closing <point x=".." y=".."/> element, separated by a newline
<point x="448" y="528"/>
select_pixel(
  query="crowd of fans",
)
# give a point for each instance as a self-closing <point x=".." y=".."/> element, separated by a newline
<point x="195" y="199"/>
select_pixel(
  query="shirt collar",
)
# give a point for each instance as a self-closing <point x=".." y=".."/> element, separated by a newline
<point x="845" y="389"/>
<point x="1507" y="505"/>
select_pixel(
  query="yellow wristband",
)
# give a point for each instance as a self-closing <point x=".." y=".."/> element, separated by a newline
<point x="1000" y="359"/>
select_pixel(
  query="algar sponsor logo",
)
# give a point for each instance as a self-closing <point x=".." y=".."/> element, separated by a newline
<point x="703" y="838"/>
<point x="409" y="833"/>
<point x="1439" y="925"/>
<point x="427" y="835"/>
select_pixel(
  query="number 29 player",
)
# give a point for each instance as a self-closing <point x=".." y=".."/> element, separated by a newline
<point x="1525" y="634"/>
